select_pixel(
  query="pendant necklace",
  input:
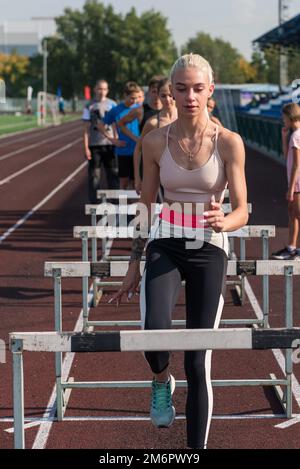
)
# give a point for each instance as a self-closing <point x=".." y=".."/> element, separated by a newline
<point x="192" y="154"/>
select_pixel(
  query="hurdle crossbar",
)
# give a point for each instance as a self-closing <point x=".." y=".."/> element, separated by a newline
<point x="154" y="340"/>
<point x="133" y="341"/>
<point x="131" y="194"/>
<point x="119" y="268"/>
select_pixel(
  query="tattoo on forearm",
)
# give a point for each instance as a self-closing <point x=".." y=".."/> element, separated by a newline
<point x="137" y="248"/>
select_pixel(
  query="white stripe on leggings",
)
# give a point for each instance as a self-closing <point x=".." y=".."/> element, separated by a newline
<point x="143" y="300"/>
<point x="208" y="371"/>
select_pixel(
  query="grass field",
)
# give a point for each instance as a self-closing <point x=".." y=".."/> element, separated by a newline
<point x="10" y="124"/>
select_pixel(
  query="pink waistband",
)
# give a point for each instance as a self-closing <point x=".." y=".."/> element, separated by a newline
<point x="183" y="219"/>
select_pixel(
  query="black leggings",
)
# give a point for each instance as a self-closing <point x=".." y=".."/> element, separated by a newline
<point x="204" y="270"/>
<point x="102" y="155"/>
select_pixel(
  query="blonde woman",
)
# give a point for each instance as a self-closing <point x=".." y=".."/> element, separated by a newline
<point x="194" y="160"/>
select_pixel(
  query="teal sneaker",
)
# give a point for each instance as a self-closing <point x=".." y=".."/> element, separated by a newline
<point x="162" y="412"/>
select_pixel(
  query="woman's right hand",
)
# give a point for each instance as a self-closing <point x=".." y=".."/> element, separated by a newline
<point x="130" y="283"/>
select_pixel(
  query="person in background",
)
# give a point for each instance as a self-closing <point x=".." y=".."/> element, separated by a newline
<point x="211" y="104"/>
<point x="126" y="145"/>
<point x="291" y="150"/>
<point x="99" y="149"/>
<point x="167" y="114"/>
<point x="151" y="107"/>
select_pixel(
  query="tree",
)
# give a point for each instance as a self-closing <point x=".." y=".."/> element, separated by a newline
<point x="13" y="70"/>
<point x="259" y="63"/>
<point x="98" y="43"/>
<point x="227" y="63"/>
<point x="145" y="47"/>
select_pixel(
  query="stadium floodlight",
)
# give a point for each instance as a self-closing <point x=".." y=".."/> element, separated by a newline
<point x="283" y="7"/>
<point x="45" y="56"/>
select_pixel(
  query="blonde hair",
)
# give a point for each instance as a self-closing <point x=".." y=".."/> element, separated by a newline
<point x="193" y="60"/>
<point x="292" y="111"/>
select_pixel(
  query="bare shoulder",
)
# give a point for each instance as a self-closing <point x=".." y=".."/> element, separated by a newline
<point x="150" y="124"/>
<point x="154" y="142"/>
<point x="230" y="144"/>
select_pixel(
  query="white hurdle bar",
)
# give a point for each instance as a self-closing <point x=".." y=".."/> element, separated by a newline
<point x="133" y="341"/>
<point x="57" y="270"/>
<point x="105" y="194"/>
<point x="95" y="232"/>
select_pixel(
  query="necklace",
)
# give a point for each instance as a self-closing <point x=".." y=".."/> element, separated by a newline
<point x="192" y="153"/>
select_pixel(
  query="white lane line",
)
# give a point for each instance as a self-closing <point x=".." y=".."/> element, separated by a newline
<point x="41" y="203"/>
<point x="45" y="428"/>
<point x="289" y="423"/>
<point x="26" y="425"/>
<point x="42" y="160"/>
<point x="36" y="144"/>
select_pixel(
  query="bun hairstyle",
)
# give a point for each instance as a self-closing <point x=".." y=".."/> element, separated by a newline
<point x="193" y="60"/>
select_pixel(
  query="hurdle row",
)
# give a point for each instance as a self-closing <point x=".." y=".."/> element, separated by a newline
<point x="85" y="233"/>
<point x="85" y="270"/>
<point x="136" y="341"/>
<point x="110" y="214"/>
<point x="123" y="196"/>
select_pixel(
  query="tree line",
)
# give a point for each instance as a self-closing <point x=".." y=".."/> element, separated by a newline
<point x="96" y="42"/>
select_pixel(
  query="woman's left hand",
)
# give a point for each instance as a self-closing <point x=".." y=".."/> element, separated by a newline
<point x="215" y="217"/>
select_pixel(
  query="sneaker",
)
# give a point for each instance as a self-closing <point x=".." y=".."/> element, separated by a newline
<point x="296" y="256"/>
<point x="284" y="254"/>
<point x="162" y="412"/>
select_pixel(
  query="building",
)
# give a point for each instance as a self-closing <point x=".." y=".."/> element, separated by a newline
<point x="25" y="37"/>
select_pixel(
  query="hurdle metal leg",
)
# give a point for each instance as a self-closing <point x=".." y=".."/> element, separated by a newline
<point x="58" y="355"/>
<point x="265" y="249"/>
<point x="289" y="324"/>
<point x="85" y="282"/>
<point x="94" y="259"/>
<point x="285" y="395"/>
<point x="18" y="394"/>
<point x="104" y="240"/>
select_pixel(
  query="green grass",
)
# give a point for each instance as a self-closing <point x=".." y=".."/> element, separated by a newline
<point x="10" y="124"/>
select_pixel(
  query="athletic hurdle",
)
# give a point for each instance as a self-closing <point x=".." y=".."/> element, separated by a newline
<point x="136" y="341"/>
<point x="104" y="232"/>
<point x="58" y="270"/>
<point x="122" y="196"/>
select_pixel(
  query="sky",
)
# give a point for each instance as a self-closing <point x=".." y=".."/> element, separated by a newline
<point x="236" y="21"/>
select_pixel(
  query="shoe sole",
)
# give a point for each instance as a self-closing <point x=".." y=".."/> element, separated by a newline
<point x="279" y="258"/>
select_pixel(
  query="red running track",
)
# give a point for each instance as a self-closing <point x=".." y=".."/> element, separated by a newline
<point x="51" y="177"/>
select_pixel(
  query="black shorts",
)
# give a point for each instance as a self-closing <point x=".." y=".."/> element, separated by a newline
<point x="126" y="166"/>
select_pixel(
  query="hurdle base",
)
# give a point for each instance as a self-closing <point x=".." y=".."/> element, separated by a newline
<point x="280" y="394"/>
<point x="66" y="393"/>
<point x="97" y="295"/>
<point x="175" y="322"/>
<point x="179" y="383"/>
